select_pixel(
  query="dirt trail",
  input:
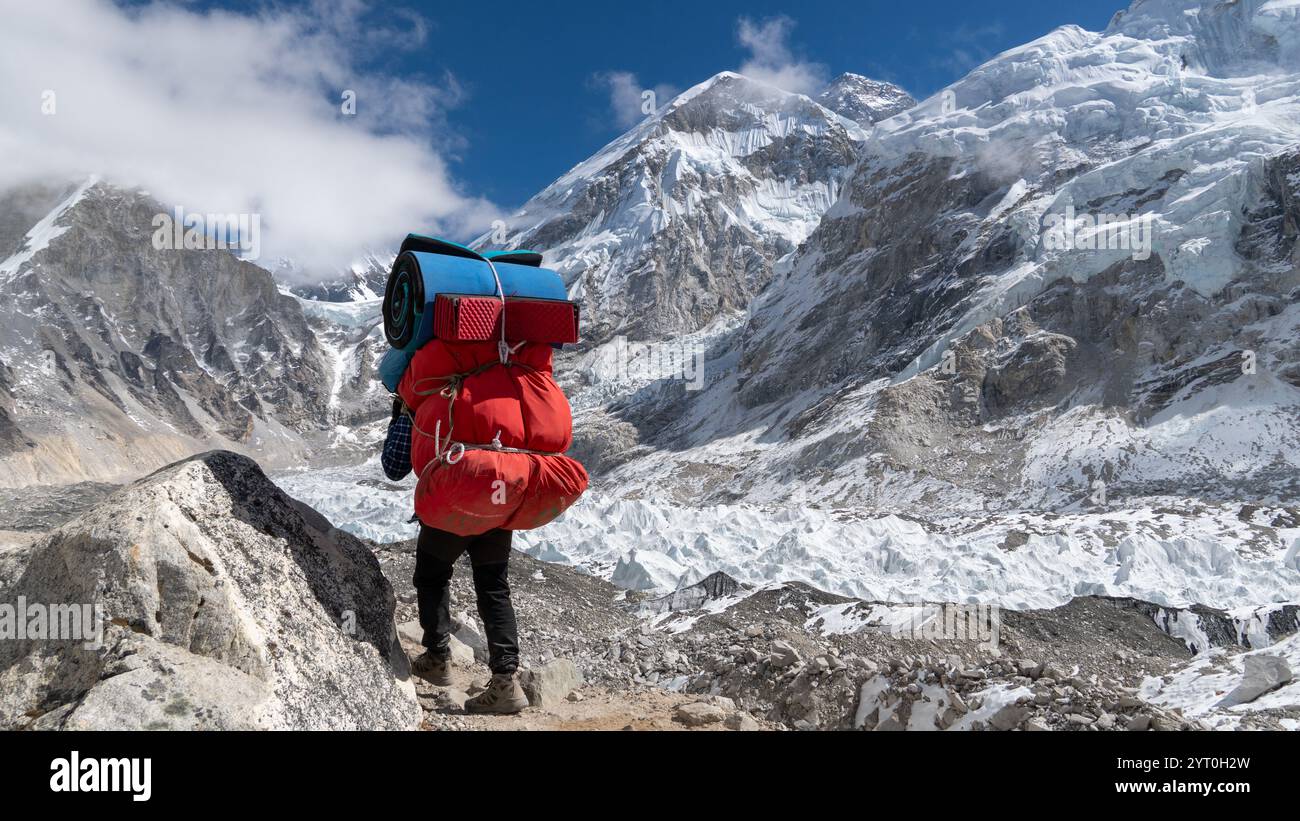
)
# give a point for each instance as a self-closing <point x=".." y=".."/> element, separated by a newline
<point x="598" y="708"/>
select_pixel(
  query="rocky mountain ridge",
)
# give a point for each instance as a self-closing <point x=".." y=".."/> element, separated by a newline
<point x="863" y="100"/>
<point x="117" y="356"/>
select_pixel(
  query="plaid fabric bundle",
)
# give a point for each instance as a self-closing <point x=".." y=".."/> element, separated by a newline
<point x="396" y="457"/>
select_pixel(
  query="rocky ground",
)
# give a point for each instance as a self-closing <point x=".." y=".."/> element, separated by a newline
<point x="561" y="612"/>
<point x="43" y="507"/>
<point x="792" y="657"/>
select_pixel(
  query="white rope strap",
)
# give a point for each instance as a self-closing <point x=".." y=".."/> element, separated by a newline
<point x="503" y="349"/>
<point x="458" y="448"/>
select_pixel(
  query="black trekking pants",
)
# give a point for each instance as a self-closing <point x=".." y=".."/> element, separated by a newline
<point x="436" y="553"/>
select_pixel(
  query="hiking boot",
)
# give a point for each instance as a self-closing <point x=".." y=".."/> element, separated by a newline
<point x="503" y="695"/>
<point x="432" y="668"/>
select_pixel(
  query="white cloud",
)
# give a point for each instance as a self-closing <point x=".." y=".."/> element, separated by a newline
<point x="627" y="99"/>
<point x="771" y="60"/>
<point x="230" y="113"/>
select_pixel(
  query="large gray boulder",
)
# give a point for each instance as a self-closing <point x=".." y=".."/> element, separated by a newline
<point x="224" y="604"/>
<point x="549" y="685"/>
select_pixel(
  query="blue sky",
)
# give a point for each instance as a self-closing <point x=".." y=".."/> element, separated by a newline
<point x="463" y="110"/>
<point x="535" y="105"/>
<point x="502" y="96"/>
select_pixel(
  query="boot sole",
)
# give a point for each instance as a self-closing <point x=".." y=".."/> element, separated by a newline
<point x="498" y="709"/>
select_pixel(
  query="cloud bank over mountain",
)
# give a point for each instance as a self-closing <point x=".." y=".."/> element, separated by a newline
<point x="223" y="112"/>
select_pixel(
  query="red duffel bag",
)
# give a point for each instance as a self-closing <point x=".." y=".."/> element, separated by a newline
<point x="489" y="437"/>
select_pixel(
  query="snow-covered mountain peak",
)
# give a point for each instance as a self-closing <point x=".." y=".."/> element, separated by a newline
<point x="362" y="281"/>
<point x="678" y="221"/>
<point x="730" y="87"/>
<point x="970" y="233"/>
<point x="1075" y="117"/>
<point x="864" y="100"/>
<point x="726" y="102"/>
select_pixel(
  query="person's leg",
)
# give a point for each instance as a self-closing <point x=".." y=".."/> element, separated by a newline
<point x="436" y="552"/>
<point x="490" y="555"/>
